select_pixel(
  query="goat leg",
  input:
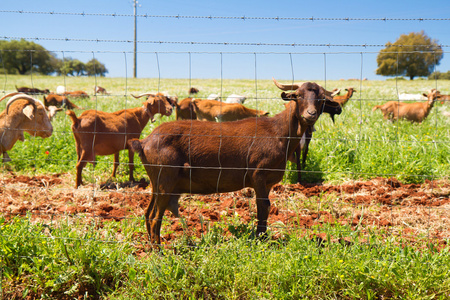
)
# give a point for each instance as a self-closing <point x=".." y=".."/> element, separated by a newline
<point x="262" y="207"/>
<point x="116" y="163"/>
<point x="6" y="157"/>
<point x="131" y="164"/>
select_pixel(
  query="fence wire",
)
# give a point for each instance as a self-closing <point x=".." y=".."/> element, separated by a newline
<point x="11" y="189"/>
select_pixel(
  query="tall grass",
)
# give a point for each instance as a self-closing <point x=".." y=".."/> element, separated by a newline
<point x="67" y="260"/>
<point x="359" y="145"/>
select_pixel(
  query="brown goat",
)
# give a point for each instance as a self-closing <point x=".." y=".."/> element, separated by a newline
<point x="100" y="90"/>
<point x="185" y="110"/>
<point x="58" y="101"/>
<point x="443" y="98"/>
<point x="77" y="94"/>
<point x="31" y="91"/>
<point x="414" y="112"/>
<point x="213" y="110"/>
<point x="52" y="111"/>
<point x="22" y="113"/>
<point x="343" y="99"/>
<point x="103" y="133"/>
<point x="208" y="157"/>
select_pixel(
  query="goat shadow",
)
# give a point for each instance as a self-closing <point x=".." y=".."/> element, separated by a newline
<point x="311" y="174"/>
<point x="113" y="185"/>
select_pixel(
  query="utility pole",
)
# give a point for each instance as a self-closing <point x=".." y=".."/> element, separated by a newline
<point x="135" y="2"/>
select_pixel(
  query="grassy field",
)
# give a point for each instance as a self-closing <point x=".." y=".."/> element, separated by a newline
<point x="359" y="145"/>
<point x="76" y="257"/>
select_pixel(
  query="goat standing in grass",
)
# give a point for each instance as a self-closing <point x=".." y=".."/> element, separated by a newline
<point x="197" y="157"/>
<point x="414" y="112"/>
<point x="103" y="133"/>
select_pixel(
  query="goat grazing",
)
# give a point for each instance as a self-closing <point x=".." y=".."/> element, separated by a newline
<point x="212" y="110"/>
<point x="203" y="158"/>
<point x="414" y="112"/>
<point x="100" y="90"/>
<point x="58" y="101"/>
<point x="193" y="91"/>
<point x="31" y="91"/>
<point x="22" y="113"/>
<point x="103" y="133"/>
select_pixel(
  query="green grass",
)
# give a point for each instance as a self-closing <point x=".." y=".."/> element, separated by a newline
<point x="87" y="257"/>
<point x="359" y="145"/>
<point x="77" y="258"/>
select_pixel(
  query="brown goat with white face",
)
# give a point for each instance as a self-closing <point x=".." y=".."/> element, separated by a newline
<point x="208" y="157"/>
<point x="414" y="112"/>
<point x="22" y="113"/>
<point x="103" y="133"/>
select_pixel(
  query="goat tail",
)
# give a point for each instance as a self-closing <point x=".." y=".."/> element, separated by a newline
<point x="376" y="107"/>
<point x="135" y="146"/>
<point x="73" y="117"/>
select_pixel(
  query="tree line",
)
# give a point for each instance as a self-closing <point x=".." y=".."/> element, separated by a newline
<point x="23" y="57"/>
<point x="412" y="55"/>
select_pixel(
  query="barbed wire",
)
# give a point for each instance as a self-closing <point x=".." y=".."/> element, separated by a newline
<point x="210" y="17"/>
<point x="329" y="45"/>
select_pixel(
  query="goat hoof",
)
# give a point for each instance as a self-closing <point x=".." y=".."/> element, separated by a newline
<point x="6" y="158"/>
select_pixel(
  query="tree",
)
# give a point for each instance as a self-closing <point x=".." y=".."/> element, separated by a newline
<point x="94" y="67"/>
<point x="72" y="67"/>
<point x="411" y="55"/>
<point x="22" y="57"/>
<point x="439" y="75"/>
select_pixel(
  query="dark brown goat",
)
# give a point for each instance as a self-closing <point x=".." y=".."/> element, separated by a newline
<point x="103" y="133"/>
<point x="31" y="91"/>
<point x="58" y="101"/>
<point x="208" y="157"/>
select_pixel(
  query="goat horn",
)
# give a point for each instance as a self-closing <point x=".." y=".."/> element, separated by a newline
<point x="286" y="87"/>
<point x="142" y="95"/>
<point x="11" y="94"/>
<point x="335" y="92"/>
<point x="18" y="96"/>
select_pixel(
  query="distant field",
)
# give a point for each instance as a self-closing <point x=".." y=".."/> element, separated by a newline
<point x="359" y="145"/>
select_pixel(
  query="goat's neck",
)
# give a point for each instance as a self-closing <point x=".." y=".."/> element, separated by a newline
<point x="143" y="115"/>
<point x="289" y="127"/>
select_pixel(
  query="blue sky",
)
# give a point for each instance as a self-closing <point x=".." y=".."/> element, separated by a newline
<point x="175" y="59"/>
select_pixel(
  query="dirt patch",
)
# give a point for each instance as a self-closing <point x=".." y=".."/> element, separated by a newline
<point x="409" y="210"/>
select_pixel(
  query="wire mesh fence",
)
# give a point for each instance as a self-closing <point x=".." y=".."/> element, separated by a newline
<point x="357" y="151"/>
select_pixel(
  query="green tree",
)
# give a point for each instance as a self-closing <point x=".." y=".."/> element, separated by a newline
<point x="72" y="67"/>
<point x="411" y="55"/>
<point x="94" y="67"/>
<point x="439" y="75"/>
<point x="23" y="57"/>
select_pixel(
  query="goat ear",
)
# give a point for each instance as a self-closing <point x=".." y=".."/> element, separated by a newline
<point x="29" y="111"/>
<point x="289" y="96"/>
